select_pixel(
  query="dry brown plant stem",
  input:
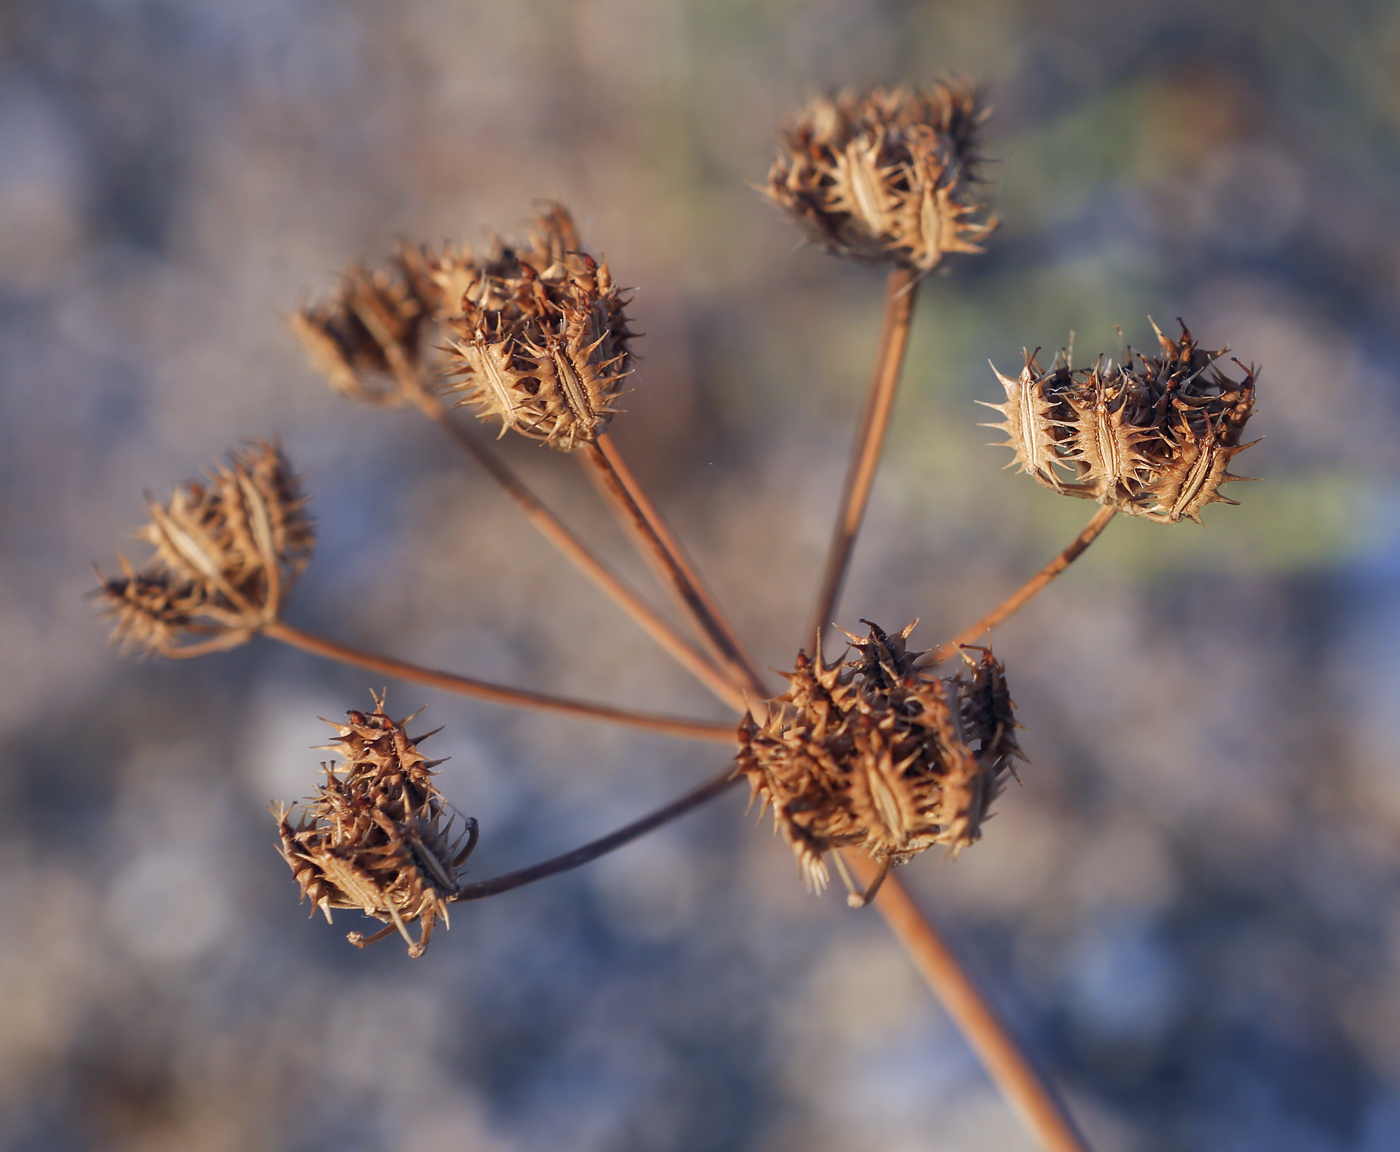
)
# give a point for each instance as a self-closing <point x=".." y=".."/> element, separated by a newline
<point x="693" y="799"/>
<point x="901" y="291"/>
<point x="554" y="530"/>
<point x="660" y="547"/>
<point x="1018" y="599"/>
<point x="497" y="693"/>
<point x="1019" y="1082"/>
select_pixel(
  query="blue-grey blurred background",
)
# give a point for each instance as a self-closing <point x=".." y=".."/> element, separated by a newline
<point x="1190" y="909"/>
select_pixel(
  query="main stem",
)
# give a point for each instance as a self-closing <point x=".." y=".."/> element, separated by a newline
<point x="1019" y="1082"/>
<point x="605" y="844"/>
<point x="497" y="693"/>
<point x="1018" y="599"/>
<point x="900" y="293"/>
<point x="554" y="530"/>
<point x="657" y="543"/>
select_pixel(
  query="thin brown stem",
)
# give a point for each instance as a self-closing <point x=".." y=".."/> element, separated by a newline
<point x="554" y="530"/>
<point x="497" y="693"/>
<point x="1023" y="1087"/>
<point x="661" y="548"/>
<point x="1018" y="599"/>
<point x="900" y="293"/>
<point x="605" y="844"/>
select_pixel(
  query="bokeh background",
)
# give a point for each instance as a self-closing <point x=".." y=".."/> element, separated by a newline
<point x="1190" y="909"/>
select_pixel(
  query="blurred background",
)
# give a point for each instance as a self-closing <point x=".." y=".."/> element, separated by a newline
<point x="1190" y="909"/>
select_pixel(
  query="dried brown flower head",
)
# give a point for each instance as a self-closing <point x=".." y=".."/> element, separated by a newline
<point x="874" y="753"/>
<point x="887" y="175"/>
<point x="542" y="342"/>
<point x="1152" y="437"/>
<point x="373" y="837"/>
<point x="367" y="338"/>
<point x="227" y="551"/>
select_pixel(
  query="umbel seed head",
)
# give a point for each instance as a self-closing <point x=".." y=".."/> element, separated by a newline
<point x="887" y="175"/>
<point x="367" y="339"/>
<point x="376" y="836"/>
<point x="227" y="550"/>
<point x="1151" y="437"/>
<point x="542" y="341"/>
<point x="874" y="753"/>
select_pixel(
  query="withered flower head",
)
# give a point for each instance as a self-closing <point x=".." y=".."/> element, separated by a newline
<point x="227" y="550"/>
<point x="373" y="837"/>
<point x="367" y="338"/>
<point x="542" y="342"/>
<point x="1151" y="437"/>
<point x="874" y="753"/>
<point x="887" y="175"/>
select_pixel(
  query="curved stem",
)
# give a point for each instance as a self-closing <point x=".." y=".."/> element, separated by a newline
<point x="1018" y="599"/>
<point x="554" y="530"/>
<point x="900" y="293"/>
<point x="1023" y="1087"/>
<point x="605" y="844"/>
<point x="657" y="543"/>
<point x="497" y="693"/>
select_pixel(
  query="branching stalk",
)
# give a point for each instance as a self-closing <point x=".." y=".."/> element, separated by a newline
<point x="1022" y="596"/>
<point x="497" y="693"/>
<point x="660" y="547"/>
<point x="554" y="530"/>
<point x="1006" y="1062"/>
<point x="900" y="294"/>
<point x="693" y="799"/>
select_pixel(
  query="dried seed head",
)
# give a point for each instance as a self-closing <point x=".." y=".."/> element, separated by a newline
<point x="373" y="837"/>
<point x="542" y="342"/>
<point x="887" y="175"/>
<point x="1151" y="437"/>
<point x="227" y="551"/>
<point x="367" y="338"/>
<point x="874" y="753"/>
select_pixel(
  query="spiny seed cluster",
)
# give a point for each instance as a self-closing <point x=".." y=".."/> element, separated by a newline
<point x="539" y="332"/>
<point x="887" y="175"/>
<point x="227" y="551"/>
<point x="372" y="838"/>
<point x="1151" y="437"/>
<point x="368" y="337"/>
<point x="542" y="342"/>
<point x="874" y="753"/>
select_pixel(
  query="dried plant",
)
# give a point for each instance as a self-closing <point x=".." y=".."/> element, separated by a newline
<point x="542" y="341"/>
<point x="227" y="551"/>
<point x="1151" y="437"/>
<point x="887" y="175"/>
<point x="876" y="754"/>
<point x="373" y="838"/>
<point x="865" y="762"/>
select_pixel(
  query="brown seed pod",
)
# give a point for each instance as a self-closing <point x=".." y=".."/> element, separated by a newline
<point x="542" y="343"/>
<point x="887" y="175"/>
<point x="875" y="753"/>
<point x="1152" y="437"/>
<point x="227" y="551"/>
<point x="373" y="837"/>
<point x="367" y="338"/>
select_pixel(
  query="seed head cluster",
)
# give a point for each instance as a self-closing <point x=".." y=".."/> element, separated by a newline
<point x="227" y="551"/>
<point x="367" y="338"/>
<point x="871" y="752"/>
<point x="874" y="753"/>
<point x="373" y="837"/>
<point x="542" y="342"/>
<point x="538" y="332"/>
<point x="1151" y="437"/>
<point x="887" y="175"/>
